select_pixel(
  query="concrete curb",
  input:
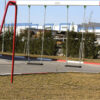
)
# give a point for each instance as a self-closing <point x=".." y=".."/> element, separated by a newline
<point x="61" y="60"/>
<point x="49" y="59"/>
<point x="91" y="63"/>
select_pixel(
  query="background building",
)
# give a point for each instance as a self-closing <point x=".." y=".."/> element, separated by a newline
<point x="62" y="27"/>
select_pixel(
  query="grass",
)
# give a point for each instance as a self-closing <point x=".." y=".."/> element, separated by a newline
<point x="60" y="86"/>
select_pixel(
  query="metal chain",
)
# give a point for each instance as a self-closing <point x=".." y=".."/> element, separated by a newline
<point x="67" y="36"/>
<point x="28" y="41"/>
<point x="43" y="34"/>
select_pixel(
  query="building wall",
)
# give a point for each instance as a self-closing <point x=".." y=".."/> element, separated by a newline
<point x="59" y="28"/>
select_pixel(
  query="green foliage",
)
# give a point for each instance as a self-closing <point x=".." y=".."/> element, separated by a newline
<point x="35" y="46"/>
<point x="90" y="47"/>
<point x="8" y="37"/>
<point x="49" y="44"/>
<point x="73" y="43"/>
<point x="35" y="43"/>
<point x="19" y="45"/>
<point x="8" y="42"/>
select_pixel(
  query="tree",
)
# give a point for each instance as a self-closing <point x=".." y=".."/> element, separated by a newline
<point x="74" y="40"/>
<point x="49" y="44"/>
<point x="91" y="49"/>
<point x="8" y="41"/>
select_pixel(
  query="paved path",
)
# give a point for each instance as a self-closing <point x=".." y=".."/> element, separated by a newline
<point x="21" y="67"/>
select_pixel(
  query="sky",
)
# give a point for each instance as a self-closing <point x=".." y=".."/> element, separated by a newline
<point x="55" y="14"/>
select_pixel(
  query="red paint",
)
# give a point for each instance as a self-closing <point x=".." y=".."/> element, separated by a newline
<point x="91" y="63"/>
<point x="9" y="3"/>
<point x="61" y="60"/>
<point x="84" y="62"/>
<point x="14" y="35"/>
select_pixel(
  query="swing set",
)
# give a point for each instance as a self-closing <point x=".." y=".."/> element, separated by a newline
<point x="45" y="4"/>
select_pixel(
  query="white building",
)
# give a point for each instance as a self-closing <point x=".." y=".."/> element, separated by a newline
<point x="60" y="27"/>
<point x="90" y="27"/>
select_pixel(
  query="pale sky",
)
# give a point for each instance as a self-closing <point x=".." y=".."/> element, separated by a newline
<point x="55" y="14"/>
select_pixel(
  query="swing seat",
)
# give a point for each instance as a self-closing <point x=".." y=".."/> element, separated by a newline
<point x="30" y="63"/>
<point x="75" y="64"/>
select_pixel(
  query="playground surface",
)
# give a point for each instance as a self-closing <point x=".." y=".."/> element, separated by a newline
<point x="55" y="86"/>
<point x="50" y="86"/>
<point x="21" y="67"/>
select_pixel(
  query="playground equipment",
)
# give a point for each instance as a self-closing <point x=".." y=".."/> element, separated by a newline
<point x="3" y="33"/>
<point x="28" y="47"/>
<point x="81" y="49"/>
<point x="40" y="3"/>
<point x="28" y="38"/>
<point x="43" y="35"/>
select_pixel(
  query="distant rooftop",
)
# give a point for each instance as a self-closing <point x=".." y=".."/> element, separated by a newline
<point x="90" y="24"/>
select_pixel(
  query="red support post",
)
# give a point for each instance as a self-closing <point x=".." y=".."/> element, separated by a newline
<point x="14" y="35"/>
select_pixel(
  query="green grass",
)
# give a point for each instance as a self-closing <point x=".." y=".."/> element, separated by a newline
<point x="60" y="86"/>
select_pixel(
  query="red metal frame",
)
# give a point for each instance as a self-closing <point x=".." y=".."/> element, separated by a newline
<point x="14" y="35"/>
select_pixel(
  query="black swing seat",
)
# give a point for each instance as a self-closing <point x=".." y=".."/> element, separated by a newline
<point x="30" y="63"/>
<point x="75" y="64"/>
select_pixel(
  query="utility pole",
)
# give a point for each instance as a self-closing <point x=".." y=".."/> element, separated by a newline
<point x="3" y="32"/>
